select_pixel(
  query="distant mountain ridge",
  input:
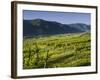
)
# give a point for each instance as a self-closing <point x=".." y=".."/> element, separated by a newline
<point x="42" y="27"/>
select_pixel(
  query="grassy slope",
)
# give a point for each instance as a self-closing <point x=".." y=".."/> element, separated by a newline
<point x="65" y="50"/>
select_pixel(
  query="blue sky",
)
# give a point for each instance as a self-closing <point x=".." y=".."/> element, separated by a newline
<point x="62" y="17"/>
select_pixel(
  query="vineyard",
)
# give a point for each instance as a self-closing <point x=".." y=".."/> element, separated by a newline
<point x="63" y="50"/>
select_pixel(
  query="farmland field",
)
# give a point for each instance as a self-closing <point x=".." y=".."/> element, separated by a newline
<point x="62" y="50"/>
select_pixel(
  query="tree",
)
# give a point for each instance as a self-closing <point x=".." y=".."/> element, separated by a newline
<point x="37" y="54"/>
<point x="46" y="58"/>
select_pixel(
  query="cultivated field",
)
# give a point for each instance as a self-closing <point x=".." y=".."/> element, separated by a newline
<point x="64" y="50"/>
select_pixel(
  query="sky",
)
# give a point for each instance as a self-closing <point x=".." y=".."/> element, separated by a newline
<point x="62" y="17"/>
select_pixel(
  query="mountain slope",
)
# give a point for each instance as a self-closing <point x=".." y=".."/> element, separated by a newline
<point x="42" y="27"/>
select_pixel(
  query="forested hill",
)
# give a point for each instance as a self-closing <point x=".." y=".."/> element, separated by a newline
<point x="42" y="27"/>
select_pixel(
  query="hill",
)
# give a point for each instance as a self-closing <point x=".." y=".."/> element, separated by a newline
<point x="42" y="27"/>
<point x="65" y="50"/>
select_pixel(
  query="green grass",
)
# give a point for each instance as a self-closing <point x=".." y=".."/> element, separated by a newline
<point x="64" y="50"/>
